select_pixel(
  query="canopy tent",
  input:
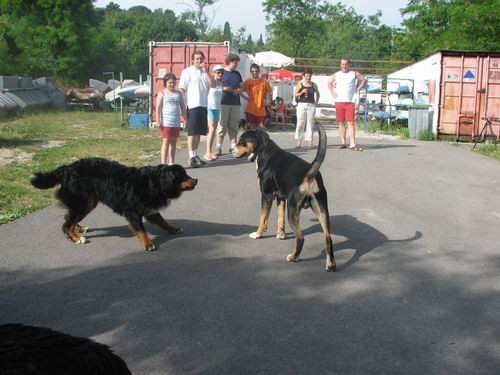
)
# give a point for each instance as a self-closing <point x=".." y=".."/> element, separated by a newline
<point x="272" y="58"/>
<point x="284" y="75"/>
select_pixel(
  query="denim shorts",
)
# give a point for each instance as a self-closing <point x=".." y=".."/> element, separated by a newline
<point x="213" y="115"/>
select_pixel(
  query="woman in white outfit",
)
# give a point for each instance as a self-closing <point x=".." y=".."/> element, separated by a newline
<point x="213" y="111"/>
<point x="307" y="96"/>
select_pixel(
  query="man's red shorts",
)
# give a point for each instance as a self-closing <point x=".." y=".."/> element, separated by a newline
<point x="255" y="120"/>
<point x="344" y="112"/>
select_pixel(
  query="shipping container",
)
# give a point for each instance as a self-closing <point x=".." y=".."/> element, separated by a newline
<point x="461" y="87"/>
<point x="174" y="57"/>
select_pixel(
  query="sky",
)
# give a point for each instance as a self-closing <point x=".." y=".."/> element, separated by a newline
<point x="249" y="13"/>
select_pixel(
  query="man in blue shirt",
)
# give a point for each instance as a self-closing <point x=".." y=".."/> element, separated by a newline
<point x="230" y="103"/>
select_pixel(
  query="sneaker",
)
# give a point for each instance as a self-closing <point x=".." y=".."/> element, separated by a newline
<point x="199" y="162"/>
<point x="218" y="152"/>
<point x="192" y="163"/>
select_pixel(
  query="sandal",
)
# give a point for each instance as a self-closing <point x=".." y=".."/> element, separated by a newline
<point x="342" y="146"/>
<point x="356" y="148"/>
<point x="207" y="158"/>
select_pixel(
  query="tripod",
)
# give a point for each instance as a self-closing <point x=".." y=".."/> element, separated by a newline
<point x="487" y="126"/>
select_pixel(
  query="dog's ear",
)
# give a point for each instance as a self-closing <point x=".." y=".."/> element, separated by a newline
<point x="262" y="136"/>
<point x="167" y="179"/>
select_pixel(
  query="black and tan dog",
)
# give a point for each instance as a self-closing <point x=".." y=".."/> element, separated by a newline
<point x="292" y="181"/>
<point x="28" y="350"/>
<point x="130" y="192"/>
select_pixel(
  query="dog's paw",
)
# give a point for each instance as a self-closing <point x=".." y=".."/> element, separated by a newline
<point x="81" y="229"/>
<point x="82" y="240"/>
<point x="255" y="235"/>
<point x="291" y="258"/>
<point x="151" y="247"/>
<point x="281" y="235"/>
<point x="331" y="267"/>
<point x="177" y="231"/>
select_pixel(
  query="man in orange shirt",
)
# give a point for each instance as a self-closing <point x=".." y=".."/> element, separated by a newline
<point x="258" y="89"/>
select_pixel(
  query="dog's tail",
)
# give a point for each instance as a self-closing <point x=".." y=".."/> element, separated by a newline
<point x="320" y="155"/>
<point x="47" y="180"/>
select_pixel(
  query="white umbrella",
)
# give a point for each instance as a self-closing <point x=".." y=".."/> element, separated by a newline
<point x="271" y="58"/>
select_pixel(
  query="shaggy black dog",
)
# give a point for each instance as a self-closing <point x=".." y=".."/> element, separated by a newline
<point x="130" y="192"/>
<point x="292" y="181"/>
<point x="26" y="350"/>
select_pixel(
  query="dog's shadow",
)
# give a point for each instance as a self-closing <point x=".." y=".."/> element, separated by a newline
<point x="360" y="236"/>
<point x="191" y="228"/>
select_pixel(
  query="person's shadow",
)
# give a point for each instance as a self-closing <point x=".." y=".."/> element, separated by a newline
<point x="361" y="237"/>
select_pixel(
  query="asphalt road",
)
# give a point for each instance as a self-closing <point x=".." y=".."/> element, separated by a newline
<point x="417" y="291"/>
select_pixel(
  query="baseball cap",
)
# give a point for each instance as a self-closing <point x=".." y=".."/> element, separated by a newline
<point x="217" y="67"/>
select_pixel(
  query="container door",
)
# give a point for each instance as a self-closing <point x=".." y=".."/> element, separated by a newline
<point x="459" y="85"/>
<point x="489" y="92"/>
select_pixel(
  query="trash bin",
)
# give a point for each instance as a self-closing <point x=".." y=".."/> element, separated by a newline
<point x="419" y="119"/>
<point x="138" y="120"/>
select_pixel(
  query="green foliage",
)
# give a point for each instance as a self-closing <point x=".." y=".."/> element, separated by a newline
<point x="47" y="37"/>
<point x="227" y="34"/>
<point x="492" y="151"/>
<point x="294" y="25"/>
<point x="449" y="24"/>
<point x="72" y="40"/>
<point x="426" y="135"/>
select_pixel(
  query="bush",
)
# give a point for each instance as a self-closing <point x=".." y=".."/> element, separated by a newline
<point x="426" y="135"/>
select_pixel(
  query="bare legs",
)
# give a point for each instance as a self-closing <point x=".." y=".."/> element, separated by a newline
<point x="352" y="134"/>
<point x="212" y="125"/>
<point x="168" y="147"/>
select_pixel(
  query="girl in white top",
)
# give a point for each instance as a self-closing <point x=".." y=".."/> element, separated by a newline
<point x="213" y="111"/>
<point x="169" y="107"/>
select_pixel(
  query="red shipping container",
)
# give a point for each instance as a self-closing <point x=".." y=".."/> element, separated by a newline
<point x="174" y="57"/>
<point x="470" y="92"/>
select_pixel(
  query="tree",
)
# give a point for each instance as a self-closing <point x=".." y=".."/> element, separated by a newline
<point x="431" y="25"/>
<point x="227" y="35"/>
<point x="200" y="19"/>
<point x="49" y="37"/>
<point x="132" y="33"/>
<point x="293" y="24"/>
<point x="260" y="45"/>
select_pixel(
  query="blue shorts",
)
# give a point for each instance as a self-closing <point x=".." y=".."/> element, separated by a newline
<point x="213" y="114"/>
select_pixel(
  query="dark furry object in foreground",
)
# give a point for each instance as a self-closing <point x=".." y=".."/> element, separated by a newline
<point x="27" y="350"/>
<point x="130" y="192"/>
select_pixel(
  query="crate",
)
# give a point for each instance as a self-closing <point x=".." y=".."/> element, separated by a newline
<point x="138" y="120"/>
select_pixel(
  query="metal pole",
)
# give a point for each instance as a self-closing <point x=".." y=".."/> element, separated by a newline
<point x="112" y="74"/>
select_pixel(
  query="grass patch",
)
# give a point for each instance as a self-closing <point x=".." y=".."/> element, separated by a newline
<point x="493" y="151"/>
<point x="397" y="129"/>
<point x="426" y="135"/>
<point x="52" y="139"/>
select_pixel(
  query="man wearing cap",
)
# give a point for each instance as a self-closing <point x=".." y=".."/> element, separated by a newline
<point x="230" y="103"/>
<point x="258" y="90"/>
<point x="195" y="83"/>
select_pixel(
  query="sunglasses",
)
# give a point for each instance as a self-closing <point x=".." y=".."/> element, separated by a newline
<point x="219" y="72"/>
